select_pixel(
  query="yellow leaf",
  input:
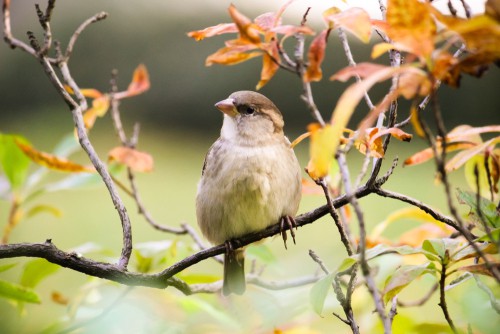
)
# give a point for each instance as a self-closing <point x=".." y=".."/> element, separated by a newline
<point x="51" y="161"/>
<point x="323" y="144"/>
<point x="135" y="160"/>
<point x="87" y="92"/>
<point x="356" y="20"/>
<point x="415" y="121"/>
<point x="407" y="213"/>
<point x="381" y="48"/>
<point x="479" y="161"/>
<point x="411" y="26"/>
<point x="99" y="108"/>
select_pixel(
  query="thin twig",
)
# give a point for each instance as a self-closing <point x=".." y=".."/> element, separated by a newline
<point x="422" y="206"/>
<point x="442" y="295"/>
<point x="97" y="17"/>
<point x="333" y="213"/>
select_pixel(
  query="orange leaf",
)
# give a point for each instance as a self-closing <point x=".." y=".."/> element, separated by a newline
<point x="355" y="19"/>
<point x="99" y="108"/>
<point x="135" y="160"/>
<point x="323" y="144"/>
<point x="374" y="144"/>
<point x="411" y="26"/>
<point x="300" y="138"/>
<point x="51" y="161"/>
<point x="87" y="92"/>
<point x="395" y="132"/>
<point x="230" y="56"/>
<point x="59" y="298"/>
<point x="219" y="29"/>
<point x="461" y="158"/>
<point x="427" y="153"/>
<point x="248" y="30"/>
<point x="315" y="56"/>
<point x="140" y="81"/>
<point x="269" y="65"/>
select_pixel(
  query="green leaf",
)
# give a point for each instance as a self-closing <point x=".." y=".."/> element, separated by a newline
<point x="488" y="209"/>
<point x="6" y="267"/>
<point x="319" y="291"/>
<point x="17" y="292"/>
<point x="346" y="264"/>
<point x="471" y="178"/>
<point x="41" y="208"/>
<point x="144" y="263"/>
<point x="13" y="160"/>
<point x="37" y="270"/>
<point x="194" y="305"/>
<point x="401" y="278"/>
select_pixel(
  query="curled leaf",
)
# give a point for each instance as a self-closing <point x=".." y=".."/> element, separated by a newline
<point x="248" y="31"/>
<point x="315" y="55"/>
<point x="219" y="29"/>
<point x="230" y="56"/>
<point x="135" y="160"/>
<point x="51" y="161"/>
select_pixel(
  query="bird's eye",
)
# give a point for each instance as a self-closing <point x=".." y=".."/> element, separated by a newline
<point x="250" y="110"/>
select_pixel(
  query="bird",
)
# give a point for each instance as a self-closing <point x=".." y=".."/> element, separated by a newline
<point x="251" y="179"/>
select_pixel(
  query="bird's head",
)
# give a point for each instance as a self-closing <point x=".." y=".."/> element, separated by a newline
<point x="250" y="115"/>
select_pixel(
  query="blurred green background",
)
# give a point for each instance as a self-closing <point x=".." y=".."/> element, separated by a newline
<point x="178" y="125"/>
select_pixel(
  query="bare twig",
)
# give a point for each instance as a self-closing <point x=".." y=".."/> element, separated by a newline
<point x="307" y="95"/>
<point x="76" y="109"/>
<point x="365" y="269"/>
<point x="97" y="17"/>
<point x="333" y="212"/>
<point x="422" y="206"/>
<point x="442" y="296"/>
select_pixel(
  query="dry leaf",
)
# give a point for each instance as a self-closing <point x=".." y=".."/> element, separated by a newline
<point x="51" y="161"/>
<point x="315" y="56"/>
<point x="135" y="160"/>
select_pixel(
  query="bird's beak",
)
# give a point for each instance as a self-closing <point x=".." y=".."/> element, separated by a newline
<point x="227" y="107"/>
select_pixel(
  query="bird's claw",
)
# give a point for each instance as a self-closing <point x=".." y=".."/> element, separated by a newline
<point x="287" y="222"/>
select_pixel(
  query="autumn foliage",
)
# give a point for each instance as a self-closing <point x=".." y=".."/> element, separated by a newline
<point x="427" y="49"/>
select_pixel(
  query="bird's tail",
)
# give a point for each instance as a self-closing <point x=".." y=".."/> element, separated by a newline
<point x="234" y="273"/>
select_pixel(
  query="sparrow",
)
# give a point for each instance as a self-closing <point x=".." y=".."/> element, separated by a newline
<point x="251" y="179"/>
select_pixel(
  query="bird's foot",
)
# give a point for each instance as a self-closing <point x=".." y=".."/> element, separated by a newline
<point x="287" y="222"/>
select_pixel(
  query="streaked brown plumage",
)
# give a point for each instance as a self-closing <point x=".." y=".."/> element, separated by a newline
<point x="251" y="178"/>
